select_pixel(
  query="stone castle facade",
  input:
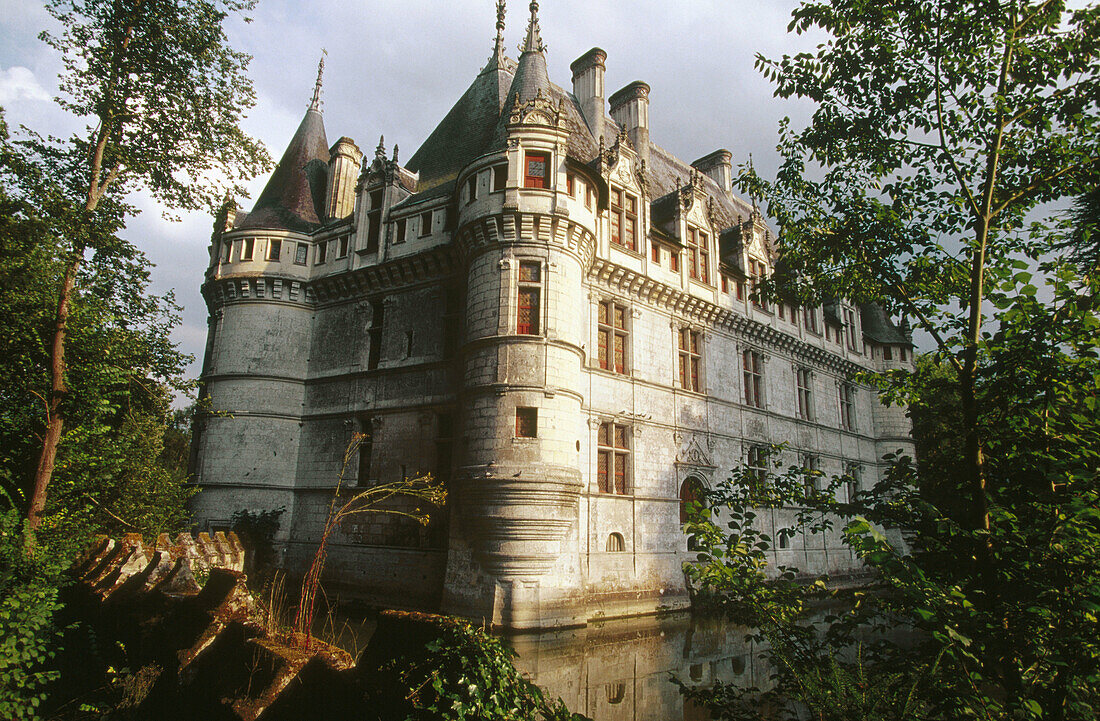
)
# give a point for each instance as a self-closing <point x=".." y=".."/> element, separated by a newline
<point x="545" y="309"/>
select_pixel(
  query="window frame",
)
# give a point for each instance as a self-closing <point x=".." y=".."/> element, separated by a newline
<point x="758" y="271"/>
<point x="320" y="255"/>
<point x="804" y="391"/>
<point x="426" y="219"/>
<point x="612" y="339"/>
<point x="846" y="405"/>
<point x="752" y="370"/>
<point x="623" y="213"/>
<point x="850" y="326"/>
<point x="249" y="245"/>
<point x="500" y="177"/>
<point x="527" y="422"/>
<point x="532" y="182"/>
<point x="301" y="254"/>
<point x="611" y="456"/>
<point x="471" y="189"/>
<point x="698" y="248"/>
<point x="344" y="247"/>
<point x="531" y="289"/>
<point x="689" y="358"/>
<point x="274" y="249"/>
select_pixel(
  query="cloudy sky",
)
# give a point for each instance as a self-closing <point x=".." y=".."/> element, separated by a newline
<point x="395" y="67"/>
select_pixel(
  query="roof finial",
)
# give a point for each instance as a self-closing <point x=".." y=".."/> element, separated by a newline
<point x="534" y="39"/>
<point x="315" y="104"/>
<point x="755" y="207"/>
<point x="501" y="9"/>
<point x="380" y="151"/>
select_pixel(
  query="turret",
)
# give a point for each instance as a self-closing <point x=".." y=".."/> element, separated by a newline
<point x="342" y="176"/>
<point x="630" y="109"/>
<point x="718" y="166"/>
<point x="588" y="87"/>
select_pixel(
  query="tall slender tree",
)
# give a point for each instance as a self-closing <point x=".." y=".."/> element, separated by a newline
<point x="164" y="94"/>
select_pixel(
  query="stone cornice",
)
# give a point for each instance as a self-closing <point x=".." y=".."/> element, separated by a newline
<point x="639" y="286"/>
<point x="512" y="227"/>
<point x="438" y="262"/>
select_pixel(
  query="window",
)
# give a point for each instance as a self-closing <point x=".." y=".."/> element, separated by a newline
<point x="690" y="357"/>
<point x="322" y="252"/>
<point x="366" y="450"/>
<point x="887" y="353"/>
<point x="612" y="336"/>
<point x="343" y="249"/>
<point x="301" y="253"/>
<point x="530" y="292"/>
<point x="444" y="446"/>
<point x="536" y="170"/>
<point x="752" y="363"/>
<point x="624" y="218"/>
<point x="901" y="353"/>
<point x="248" y="246"/>
<point x="655" y="253"/>
<point x="616" y="692"/>
<point x="847" y="407"/>
<point x="811" y="466"/>
<point x="500" y="177"/>
<point x="804" y="387"/>
<point x="758" y="271"/>
<point x="698" y="249"/>
<point x="809" y="319"/>
<point x="781" y="310"/>
<point x="613" y="455"/>
<point x="740" y="290"/>
<point x="855" y="481"/>
<point x="784" y="539"/>
<point x="589" y="193"/>
<point x="471" y="189"/>
<point x="400" y="233"/>
<point x="674" y="261"/>
<point x="374" y="221"/>
<point x="274" y="249"/>
<point x="616" y="543"/>
<point x="850" y="325"/>
<point x="689" y="493"/>
<point x="570" y="185"/>
<point x="425" y="224"/>
<point x="374" y="334"/>
<point x="452" y="307"/>
<point x="757" y="470"/>
<point x="725" y="284"/>
<point x="527" y="422"/>
<point x="228" y="245"/>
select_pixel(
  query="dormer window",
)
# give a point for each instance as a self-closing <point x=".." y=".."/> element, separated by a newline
<point x="698" y="246"/>
<point x="624" y="218"/>
<point x="758" y="271"/>
<point x="536" y="170"/>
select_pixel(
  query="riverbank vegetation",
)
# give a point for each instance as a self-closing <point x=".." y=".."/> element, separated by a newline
<point x="937" y="176"/>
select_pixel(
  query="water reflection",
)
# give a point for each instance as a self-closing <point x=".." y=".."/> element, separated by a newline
<point x="620" y="670"/>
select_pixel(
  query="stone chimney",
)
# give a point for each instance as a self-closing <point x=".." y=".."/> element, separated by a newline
<point x="588" y="87"/>
<point x="343" y="174"/>
<point x="630" y="109"/>
<point x="718" y="166"/>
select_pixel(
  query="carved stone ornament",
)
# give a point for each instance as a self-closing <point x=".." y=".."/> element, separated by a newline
<point x="538" y="111"/>
<point x="694" y="454"/>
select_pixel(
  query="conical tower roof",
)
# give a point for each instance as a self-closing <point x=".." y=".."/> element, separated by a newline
<point x="295" y="195"/>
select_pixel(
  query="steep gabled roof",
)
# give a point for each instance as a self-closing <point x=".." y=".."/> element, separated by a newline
<point x="879" y="328"/>
<point x="294" y="197"/>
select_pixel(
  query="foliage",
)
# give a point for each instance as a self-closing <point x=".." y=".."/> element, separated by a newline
<point x="165" y="94"/>
<point x="942" y="133"/>
<point x="123" y="369"/>
<point x="423" y="492"/>
<point x="463" y="674"/>
<point x="257" y="531"/>
<point x="29" y="637"/>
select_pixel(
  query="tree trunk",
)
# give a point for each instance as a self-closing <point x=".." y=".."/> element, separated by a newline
<point x="55" y="417"/>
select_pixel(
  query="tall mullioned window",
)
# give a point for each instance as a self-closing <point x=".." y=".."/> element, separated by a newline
<point x="752" y="366"/>
<point x="374" y="221"/>
<point x="613" y="459"/>
<point x="756" y="466"/>
<point x="690" y="357"/>
<point x="850" y="329"/>
<point x="624" y="218"/>
<point x="698" y="254"/>
<point x="758" y="271"/>
<point x="804" y="388"/>
<point x="847" y="406"/>
<point x="613" y="336"/>
<point x="529" y="298"/>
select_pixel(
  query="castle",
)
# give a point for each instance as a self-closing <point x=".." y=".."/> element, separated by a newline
<point x="546" y="310"/>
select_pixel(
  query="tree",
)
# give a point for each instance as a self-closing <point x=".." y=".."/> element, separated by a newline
<point x="165" y="94"/>
<point x="123" y="368"/>
<point x="944" y="132"/>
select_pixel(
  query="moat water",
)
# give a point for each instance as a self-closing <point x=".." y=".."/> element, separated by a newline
<point x="622" y="669"/>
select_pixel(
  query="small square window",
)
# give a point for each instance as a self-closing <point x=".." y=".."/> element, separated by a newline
<point x="527" y="422"/>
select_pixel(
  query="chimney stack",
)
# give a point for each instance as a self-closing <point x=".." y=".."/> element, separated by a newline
<point x="343" y="174"/>
<point x="588" y="78"/>
<point x="630" y="109"/>
<point x="718" y="166"/>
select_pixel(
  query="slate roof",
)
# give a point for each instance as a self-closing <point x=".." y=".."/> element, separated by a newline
<point x="879" y="328"/>
<point x="294" y="197"/>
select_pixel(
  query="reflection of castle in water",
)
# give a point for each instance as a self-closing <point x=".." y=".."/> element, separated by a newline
<point x="621" y="669"/>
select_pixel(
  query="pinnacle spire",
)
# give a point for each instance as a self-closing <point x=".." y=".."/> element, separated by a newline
<point x="498" y="50"/>
<point x="533" y="44"/>
<point x="315" y="104"/>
